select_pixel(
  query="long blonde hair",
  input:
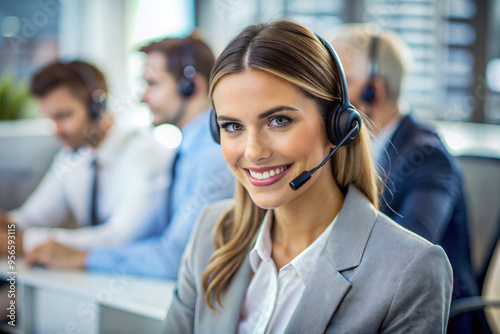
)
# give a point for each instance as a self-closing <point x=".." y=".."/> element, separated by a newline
<point x="293" y="53"/>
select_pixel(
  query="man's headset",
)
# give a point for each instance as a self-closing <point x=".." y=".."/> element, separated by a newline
<point x="342" y="126"/>
<point x="369" y="90"/>
<point x="97" y="95"/>
<point x="186" y="85"/>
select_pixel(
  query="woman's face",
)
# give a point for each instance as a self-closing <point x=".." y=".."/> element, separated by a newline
<point x="270" y="133"/>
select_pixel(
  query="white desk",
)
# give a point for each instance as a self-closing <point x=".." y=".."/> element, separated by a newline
<point x="58" y="301"/>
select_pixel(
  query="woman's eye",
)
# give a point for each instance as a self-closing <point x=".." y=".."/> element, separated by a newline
<point x="236" y="127"/>
<point x="279" y="121"/>
<point x="232" y="127"/>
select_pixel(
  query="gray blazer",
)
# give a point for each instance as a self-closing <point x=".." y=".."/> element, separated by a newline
<point x="372" y="277"/>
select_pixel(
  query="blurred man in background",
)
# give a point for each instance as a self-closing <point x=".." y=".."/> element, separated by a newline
<point x="105" y="175"/>
<point x="423" y="189"/>
<point x="177" y="72"/>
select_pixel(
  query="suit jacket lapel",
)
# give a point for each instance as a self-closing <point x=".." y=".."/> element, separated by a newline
<point x="322" y="295"/>
<point x="344" y="250"/>
<point x="226" y="320"/>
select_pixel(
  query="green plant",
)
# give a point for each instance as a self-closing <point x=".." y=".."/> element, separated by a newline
<point x="15" y="100"/>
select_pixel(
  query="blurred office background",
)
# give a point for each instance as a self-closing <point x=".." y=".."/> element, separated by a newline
<point x="455" y="44"/>
<point x="456" y="75"/>
<point x="455" y="81"/>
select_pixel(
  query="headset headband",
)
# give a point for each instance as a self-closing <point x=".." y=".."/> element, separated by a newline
<point x="340" y="71"/>
<point x="373" y="57"/>
<point x="88" y="77"/>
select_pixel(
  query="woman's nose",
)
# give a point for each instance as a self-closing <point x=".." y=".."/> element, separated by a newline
<point x="256" y="148"/>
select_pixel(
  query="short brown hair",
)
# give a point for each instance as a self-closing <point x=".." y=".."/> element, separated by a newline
<point x="83" y="79"/>
<point x="178" y="50"/>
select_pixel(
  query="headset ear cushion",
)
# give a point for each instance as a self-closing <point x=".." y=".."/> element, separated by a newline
<point x="369" y="94"/>
<point x="340" y="122"/>
<point x="186" y="87"/>
<point x="96" y="110"/>
<point x="214" y="127"/>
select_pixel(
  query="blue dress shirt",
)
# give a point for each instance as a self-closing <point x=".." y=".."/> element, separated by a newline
<point x="201" y="177"/>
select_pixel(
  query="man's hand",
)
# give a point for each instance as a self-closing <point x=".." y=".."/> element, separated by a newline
<point x="55" y="255"/>
<point x="15" y="239"/>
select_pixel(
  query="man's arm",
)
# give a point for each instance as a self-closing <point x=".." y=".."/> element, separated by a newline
<point x="157" y="256"/>
<point x="128" y="222"/>
<point x="49" y="252"/>
<point x="161" y="256"/>
<point x="46" y="206"/>
<point x="142" y="178"/>
<point x="429" y="194"/>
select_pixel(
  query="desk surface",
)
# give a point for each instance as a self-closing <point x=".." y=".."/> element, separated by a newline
<point x="139" y="295"/>
<point x="462" y="138"/>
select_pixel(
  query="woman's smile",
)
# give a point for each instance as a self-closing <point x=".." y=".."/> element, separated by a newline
<point x="266" y="176"/>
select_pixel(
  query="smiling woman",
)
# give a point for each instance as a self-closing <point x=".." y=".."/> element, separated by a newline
<point x="270" y="126"/>
<point x="317" y="259"/>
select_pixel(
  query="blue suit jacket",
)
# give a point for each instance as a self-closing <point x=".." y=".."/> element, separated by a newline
<point x="424" y="194"/>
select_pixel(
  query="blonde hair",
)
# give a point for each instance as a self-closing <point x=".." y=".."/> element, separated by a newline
<point x="292" y="52"/>
<point x="393" y="57"/>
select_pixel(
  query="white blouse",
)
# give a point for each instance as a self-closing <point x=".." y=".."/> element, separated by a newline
<point x="272" y="296"/>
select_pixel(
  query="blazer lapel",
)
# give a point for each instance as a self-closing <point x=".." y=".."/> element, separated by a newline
<point x="226" y="320"/>
<point x="344" y="250"/>
<point x="322" y="295"/>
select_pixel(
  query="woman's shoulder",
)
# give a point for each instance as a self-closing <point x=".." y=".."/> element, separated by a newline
<point x="213" y="211"/>
<point x="363" y="224"/>
<point x="393" y="229"/>
<point x="400" y="245"/>
<point x="210" y="215"/>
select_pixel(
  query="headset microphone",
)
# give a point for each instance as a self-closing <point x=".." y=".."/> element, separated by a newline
<point x="306" y="175"/>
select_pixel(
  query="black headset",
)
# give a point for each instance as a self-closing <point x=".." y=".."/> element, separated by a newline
<point x="369" y="90"/>
<point x="185" y="84"/>
<point x="341" y="118"/>
<point x="97" y="96"/>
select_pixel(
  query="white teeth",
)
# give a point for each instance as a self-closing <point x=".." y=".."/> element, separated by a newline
<point x="267" y="174"/>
